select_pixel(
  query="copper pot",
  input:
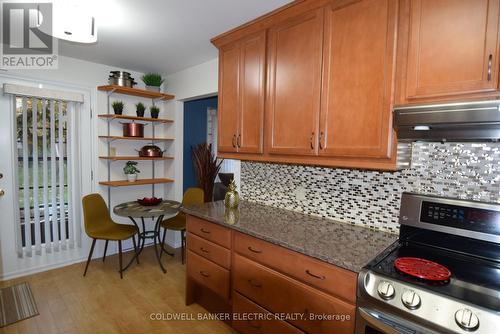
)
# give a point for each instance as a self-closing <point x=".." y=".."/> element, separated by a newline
<point x="133" y="129"/>
<point x="151" y="151"/>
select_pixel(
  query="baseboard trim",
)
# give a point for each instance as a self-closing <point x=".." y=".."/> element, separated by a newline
<point x="39" y="269"/>
<point x="57" y="265"/>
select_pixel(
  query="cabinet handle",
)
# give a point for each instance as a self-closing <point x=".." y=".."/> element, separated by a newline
<point x="204" y="231"/>
<point x="315" y="276"/>
<point x="252" y="325"/>
<point x="312" y="143"/>
<point x="234" y="141"/>
<point x="204" y="274"/>
<point x="321" y="140"/>
<point x="254" y="250"/>
<point x="490" y="61"/>
<point x="254" y="284"/>
<point x="238" y="141"/>
<point x="204" y="250"/>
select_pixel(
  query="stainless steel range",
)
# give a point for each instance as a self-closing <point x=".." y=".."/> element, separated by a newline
<point x="441" y="276"/>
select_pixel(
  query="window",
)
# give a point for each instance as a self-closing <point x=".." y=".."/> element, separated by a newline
<point x="41" y="131"/>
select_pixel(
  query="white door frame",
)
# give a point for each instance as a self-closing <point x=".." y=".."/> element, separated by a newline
<point x="11" y="265"/>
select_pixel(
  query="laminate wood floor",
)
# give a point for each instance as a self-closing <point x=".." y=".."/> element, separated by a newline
<point x="103" y="303"/>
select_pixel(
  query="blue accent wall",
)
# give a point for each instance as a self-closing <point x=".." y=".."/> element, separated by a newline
<point x="195" y="132"/>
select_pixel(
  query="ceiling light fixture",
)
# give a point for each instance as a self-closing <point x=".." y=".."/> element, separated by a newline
<point x="73" y="21"/>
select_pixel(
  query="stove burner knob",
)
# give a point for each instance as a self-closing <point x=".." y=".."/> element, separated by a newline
<point x="410" y="299"/>
<point x="385" y="290"/>
<point x="467" y="320"/>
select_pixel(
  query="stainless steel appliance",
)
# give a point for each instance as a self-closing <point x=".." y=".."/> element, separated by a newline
<point x="469" y="121"/>
<point x="458" y="235"/>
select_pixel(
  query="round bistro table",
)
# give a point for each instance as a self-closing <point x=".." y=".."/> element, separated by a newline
<point x="133" y="210"/>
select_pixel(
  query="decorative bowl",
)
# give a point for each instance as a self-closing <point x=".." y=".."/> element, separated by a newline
<point x="149" y="201"/>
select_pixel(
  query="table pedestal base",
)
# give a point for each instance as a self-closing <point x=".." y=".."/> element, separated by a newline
<point x="150" y="234"/>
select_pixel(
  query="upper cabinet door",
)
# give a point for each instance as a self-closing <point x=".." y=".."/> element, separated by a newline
<point x="229" y="65"/>
<point x="252" y="92"/>
<point x="357" y="79"/>
<point x="453" y="48"/>
<point x="295" y="48"/>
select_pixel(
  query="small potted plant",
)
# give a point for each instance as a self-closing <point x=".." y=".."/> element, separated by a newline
<point x="155" y="111"/>
<point x="117" y="107"/>
<point x="152" y="81"/>
<point x="139" y="109"/>
<point x="131" y="171"/>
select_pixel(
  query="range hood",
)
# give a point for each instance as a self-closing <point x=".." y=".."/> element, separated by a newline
<point x="469" y="121"/>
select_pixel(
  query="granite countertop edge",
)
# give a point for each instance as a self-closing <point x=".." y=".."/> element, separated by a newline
<point x="343" y="262"/>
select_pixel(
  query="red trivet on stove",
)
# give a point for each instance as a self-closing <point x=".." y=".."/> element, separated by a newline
<point x="422" y="268"/>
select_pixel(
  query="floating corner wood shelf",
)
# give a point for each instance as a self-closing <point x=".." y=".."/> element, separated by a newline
<point x="134" y="158"/>
<point x="111" y="117"/>
<point x="140" y="182"/>
<point x="111" y="138"/>
<point x="136" y="92"/>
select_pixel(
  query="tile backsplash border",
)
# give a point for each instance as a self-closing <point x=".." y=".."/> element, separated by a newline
<point x="371" y="198"/>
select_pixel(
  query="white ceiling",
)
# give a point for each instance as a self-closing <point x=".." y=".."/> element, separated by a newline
<point x="163" y="36"/>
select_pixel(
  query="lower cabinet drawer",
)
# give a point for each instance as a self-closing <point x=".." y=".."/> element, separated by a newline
<point x="280" y="294"/>
<point x="323" y="276"/>
<point x="208" y="274"/>
<point x="209" y="250"/>
<point x="250" y="318"/>
<point x="209" y="231"/>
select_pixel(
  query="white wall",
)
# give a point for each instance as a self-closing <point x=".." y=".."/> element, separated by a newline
<point x="83" y="75"/>
<point x="192" y="83"/>
<point x="196" y="82"/>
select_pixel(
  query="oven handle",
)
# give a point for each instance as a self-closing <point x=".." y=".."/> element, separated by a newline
<point x="373" y="321"/>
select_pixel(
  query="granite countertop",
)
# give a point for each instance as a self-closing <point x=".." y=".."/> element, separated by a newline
<point x="344" y="245"/>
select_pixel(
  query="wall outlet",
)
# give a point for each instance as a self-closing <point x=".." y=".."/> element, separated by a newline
<point x="300" y="194"/>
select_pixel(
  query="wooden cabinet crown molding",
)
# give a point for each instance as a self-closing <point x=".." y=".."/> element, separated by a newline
<point x="283" y="13"/>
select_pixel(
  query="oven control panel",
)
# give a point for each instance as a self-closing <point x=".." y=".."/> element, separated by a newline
<point x="452" y="315"/>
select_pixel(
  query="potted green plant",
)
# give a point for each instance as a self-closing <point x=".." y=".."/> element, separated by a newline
<point x="117" y="107"/>
<point x="131" y="171"/>
<point x="139" y="109"/>
<point x="155" y="111"/>
<point x="152" y="81"/>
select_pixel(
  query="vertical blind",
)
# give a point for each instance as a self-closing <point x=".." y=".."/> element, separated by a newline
<point x="47" y="173"/>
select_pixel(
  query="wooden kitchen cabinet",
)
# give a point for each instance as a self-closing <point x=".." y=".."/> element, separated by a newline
<point x="279" y="293"/>
<point x="243" y="306"/>
<point x="318" y="274"/>
<point x="293" y="102"/>
<point x="449" y="49"/>
<point x="358" y="66"/>
<point x="229" y="79"/>
<point x="241" y="95"/>
<point x="229" y="271"/>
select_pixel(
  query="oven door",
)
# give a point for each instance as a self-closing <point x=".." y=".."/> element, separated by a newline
<point x="373" y="322"/>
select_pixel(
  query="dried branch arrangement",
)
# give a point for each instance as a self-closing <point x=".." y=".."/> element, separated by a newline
<point x="206" y="167"/>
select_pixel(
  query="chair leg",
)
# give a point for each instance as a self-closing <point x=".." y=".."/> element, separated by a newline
<point x="183" y="245"/>
<point x="90" y="257"/>
<point x="120" y="257"/>
<point x="135" y="250"/>
<point x="163" y="242"/>
<point x="105" y="250"/>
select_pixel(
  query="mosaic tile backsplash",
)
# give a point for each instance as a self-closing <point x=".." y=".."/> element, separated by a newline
<point x="369" y="198"/>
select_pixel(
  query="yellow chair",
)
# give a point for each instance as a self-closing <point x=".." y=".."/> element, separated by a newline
<point x="178" y="223"/>
<point x="100" y="226"/>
